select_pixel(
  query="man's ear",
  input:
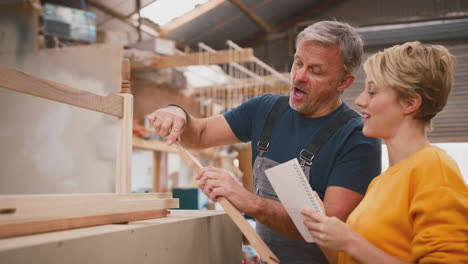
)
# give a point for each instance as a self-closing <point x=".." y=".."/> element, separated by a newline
<point x="412" y="104"/>
<point x="345" y="82"/>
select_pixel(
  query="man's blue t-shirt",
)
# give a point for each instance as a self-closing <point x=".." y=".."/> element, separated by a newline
<point x="348" y="159"/>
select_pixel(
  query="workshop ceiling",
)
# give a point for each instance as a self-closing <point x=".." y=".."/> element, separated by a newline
<point x="247" y="23"/>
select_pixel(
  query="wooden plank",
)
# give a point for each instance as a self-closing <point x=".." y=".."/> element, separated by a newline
<point x="15" y="80"/>
<point x="123" y="180"/>
<point x="158" y="145"/>
<point x="27" y="214"/>
<point x="220" y="57"/>
<point x="124" y="147"/>
<point x="271" y="82"/>
<point x="184" y="236"/>
<point x="17" y="208"/>
<point x="157" y="171"/>
<point x="153" y="145"/>
<point x="257" y="243"/>
<point x="35" y="227"/>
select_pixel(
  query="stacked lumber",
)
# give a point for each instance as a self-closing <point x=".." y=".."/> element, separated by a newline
<point x="31" y="214"/>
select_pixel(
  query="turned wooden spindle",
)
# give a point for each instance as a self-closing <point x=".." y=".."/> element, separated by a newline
<point x="125" y="77"/>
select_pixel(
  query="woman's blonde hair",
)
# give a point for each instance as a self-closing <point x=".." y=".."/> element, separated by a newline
<point x="415" y="68"/>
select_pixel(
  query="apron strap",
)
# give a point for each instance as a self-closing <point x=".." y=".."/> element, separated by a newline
<point x="308" y="154"/>
<point x="264" y="143"/>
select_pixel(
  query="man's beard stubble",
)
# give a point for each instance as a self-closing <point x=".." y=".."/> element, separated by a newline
<point x="317" y="103"/>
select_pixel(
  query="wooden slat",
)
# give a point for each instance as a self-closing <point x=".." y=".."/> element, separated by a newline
<point x="34" y="227"/>
<point x="15" y="80"/>
<point x="157" y="145"/>
<point x="220" y="57"/>
<point x="156" y="171"/>
<point x="257" y="243"/>
<point x="28" y="214"/>
<point x="124" y="144"/>
<point x="184" y="236"/>
<point x="154" y="145"/>
<point x="124" y="147"/>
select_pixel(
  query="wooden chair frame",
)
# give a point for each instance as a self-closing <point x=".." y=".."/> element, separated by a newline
<point x="119" y="105"/>
<point x="29" y="214"/>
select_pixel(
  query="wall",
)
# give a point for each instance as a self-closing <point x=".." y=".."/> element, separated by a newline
<point x="49" y="147"/>
<point x="18" y="28"/>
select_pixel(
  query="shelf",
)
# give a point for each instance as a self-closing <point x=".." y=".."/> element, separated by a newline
<point x="157" y="145"/>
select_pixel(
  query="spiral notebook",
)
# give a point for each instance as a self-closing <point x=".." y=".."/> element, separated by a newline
<point x="294" y="191"/>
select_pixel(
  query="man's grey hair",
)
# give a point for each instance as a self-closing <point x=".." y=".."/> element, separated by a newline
<point x="337" y="33"/>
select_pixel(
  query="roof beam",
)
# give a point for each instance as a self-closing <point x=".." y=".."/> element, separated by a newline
<point x="251" y="15"/>
<point x="221" y="57"/>
<point x="108" y="10"/>
<point x="136" y="11"/>
<point x="117" y="15"/>
<point x="186" y="18"/>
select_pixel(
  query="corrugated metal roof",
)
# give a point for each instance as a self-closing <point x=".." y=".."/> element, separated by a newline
<point x="429" y="31"/>
<point x="227" y="21"/>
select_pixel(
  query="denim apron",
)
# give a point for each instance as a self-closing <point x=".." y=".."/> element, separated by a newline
<point x="286" y="249"/>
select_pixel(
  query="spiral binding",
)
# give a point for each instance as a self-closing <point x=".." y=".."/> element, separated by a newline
<point x="305" y="184"/>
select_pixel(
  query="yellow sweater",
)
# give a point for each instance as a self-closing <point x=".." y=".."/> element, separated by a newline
<point x="417" y="210"/>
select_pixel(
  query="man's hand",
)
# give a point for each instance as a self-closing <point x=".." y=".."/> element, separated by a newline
<point x="168" y="122"/>
<point x="215" y="182"/>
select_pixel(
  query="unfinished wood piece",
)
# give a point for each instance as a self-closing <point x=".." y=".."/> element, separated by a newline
<point x="125" y="77"/>
<point x="25" y="83"/>
<point x="157" y="145"/>
<point x="123" y="180"/>
<point x="184" y="236"/>
<point x="156" y="171"/>
<point x="257" y="243"/>
<point x="221" y="57"/>
<point x="154" y="145"/>
<point x="29" y="214"/>
<point x="124" y="147"/>
<point x="34" y="227"/>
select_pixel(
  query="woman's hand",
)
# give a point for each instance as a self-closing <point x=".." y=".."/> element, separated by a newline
<point x="328" y="232"/>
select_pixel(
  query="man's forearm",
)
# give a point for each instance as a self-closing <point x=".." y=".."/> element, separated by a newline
<point x="208" y="132"/>
<point x="272" y="214"/>
<point x="191" y="135"/>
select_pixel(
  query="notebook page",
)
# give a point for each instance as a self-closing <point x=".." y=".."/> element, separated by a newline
<point x="294" y="191"/>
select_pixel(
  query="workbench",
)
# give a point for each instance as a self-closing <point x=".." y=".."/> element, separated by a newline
<point x="184" y="236"/>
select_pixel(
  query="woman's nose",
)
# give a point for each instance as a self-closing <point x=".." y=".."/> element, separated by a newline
<point x="360" y="100"/>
